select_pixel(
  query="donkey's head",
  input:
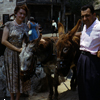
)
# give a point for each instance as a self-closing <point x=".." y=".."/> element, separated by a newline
<point x="66" y="47"/>
<point x="27" y="56"/>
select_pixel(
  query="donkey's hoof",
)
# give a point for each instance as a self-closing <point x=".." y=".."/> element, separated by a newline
<point x="73" y="88"/>
<point x="55" y="98"/>
<point x="49" y="97"/>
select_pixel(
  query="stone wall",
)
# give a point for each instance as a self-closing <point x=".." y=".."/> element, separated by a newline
<point x="6" y="7"/>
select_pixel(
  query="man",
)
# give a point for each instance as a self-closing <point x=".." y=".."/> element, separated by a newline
<point x="54" y="27"/>
<point x="88" y="66"/>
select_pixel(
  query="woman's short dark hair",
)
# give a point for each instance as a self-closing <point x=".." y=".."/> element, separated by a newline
<point x="32" y="19"/>
<point x="88" y="6"/>
<point x="24" y="7"/>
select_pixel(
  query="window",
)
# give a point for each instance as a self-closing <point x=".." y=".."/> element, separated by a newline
<point x="5" y="18"/>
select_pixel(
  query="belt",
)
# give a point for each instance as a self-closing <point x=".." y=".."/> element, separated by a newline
<point x="86" y="53"/>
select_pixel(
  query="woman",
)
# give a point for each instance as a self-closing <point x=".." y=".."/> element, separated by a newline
<point x="12" y="39"/>
<point x="33" y="27"/>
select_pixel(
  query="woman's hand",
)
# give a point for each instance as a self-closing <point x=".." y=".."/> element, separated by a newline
<point x="42" y="40"/>
<point x="19" y="50"/>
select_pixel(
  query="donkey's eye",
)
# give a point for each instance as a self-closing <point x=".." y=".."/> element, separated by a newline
<point x="65" y="50"/>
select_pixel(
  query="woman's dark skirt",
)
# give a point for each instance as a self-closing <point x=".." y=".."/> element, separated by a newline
<point x="88" y="75"/>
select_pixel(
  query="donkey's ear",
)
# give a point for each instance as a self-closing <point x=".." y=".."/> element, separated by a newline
<point x="61" y="29"/>
<point x="75" y="29"/>
<point x="40" y="36"/>
<point x="25" y="38"/>
<point x="38" y="39"/>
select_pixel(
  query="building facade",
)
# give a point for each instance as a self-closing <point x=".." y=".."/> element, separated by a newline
<point x="97" y="8"/>
<point x="43" y="11"/>
<point x="6" y="8"/>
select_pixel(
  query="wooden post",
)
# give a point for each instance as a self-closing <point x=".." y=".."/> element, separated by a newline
<point x="51" y="11"/>
<point x="63" y="12"/>
<point x="74" y="19"/>
<point x="66" y="24"/>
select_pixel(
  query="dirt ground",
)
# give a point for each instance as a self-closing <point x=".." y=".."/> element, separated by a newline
<point x="64" y="93"/>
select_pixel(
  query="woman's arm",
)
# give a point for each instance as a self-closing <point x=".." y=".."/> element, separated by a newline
<point x="37" y="27"/>
<point x="29" y="25"/>
<point x="6" y="43"/>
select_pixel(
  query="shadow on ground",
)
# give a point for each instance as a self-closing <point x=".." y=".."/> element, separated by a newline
<point x="68" y="95"/>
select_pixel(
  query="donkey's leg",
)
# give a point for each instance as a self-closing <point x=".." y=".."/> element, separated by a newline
<point x="74" y="79"/>
<point x="52" y="34"/>
<point x="56" y="34"/>
<point x="56" y="92"/>
<point x="56" y="83"/>
<point x="50" y="82"/>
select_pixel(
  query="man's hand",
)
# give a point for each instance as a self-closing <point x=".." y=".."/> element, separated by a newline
<point x="98" y="54"/>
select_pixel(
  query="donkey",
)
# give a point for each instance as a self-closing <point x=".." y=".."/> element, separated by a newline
<point x="46" y="55"/>
<point x="27" y="57"/>
<point x="40" y="50"/>
<point x="67" y="55"/>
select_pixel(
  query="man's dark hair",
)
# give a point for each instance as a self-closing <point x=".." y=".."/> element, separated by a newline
<point x="88" y="6"/>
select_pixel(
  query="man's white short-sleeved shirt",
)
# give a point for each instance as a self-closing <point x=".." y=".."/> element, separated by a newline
<point x="90" y="38"/>
<point x="54" y="24"/>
